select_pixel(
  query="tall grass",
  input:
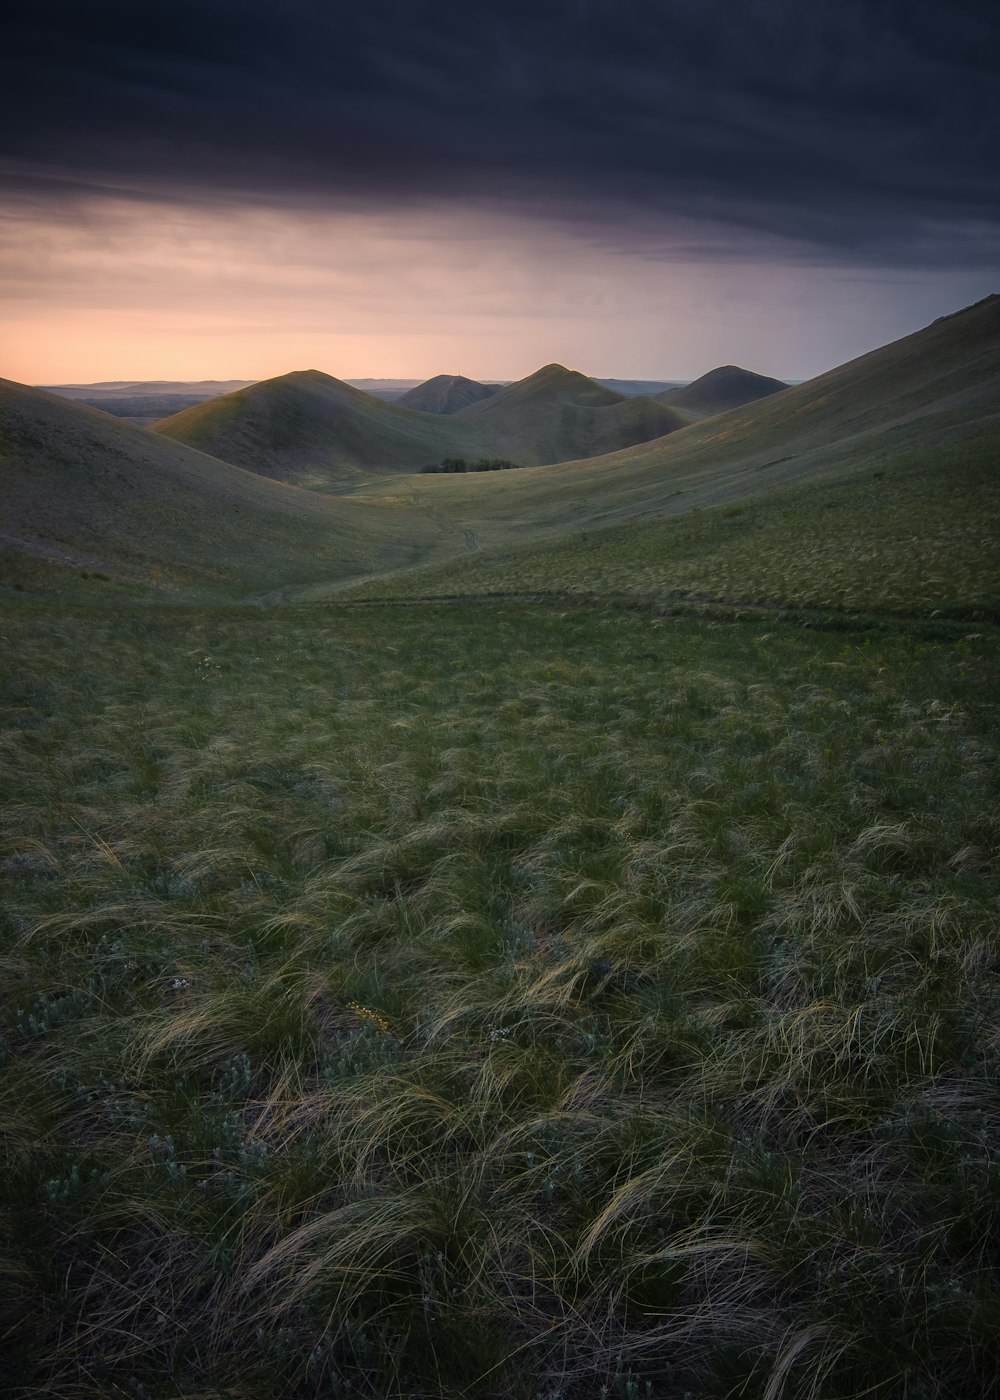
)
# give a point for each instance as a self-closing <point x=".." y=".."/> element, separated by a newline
<point x="497" y="1002"/>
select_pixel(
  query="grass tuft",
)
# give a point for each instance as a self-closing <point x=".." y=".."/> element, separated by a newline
<point x="530" y="1002"/>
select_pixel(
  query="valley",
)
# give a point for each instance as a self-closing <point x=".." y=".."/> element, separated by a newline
<point x="515" y="934"/>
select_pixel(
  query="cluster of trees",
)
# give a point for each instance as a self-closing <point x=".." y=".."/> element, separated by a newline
<point x="484" y="464"/>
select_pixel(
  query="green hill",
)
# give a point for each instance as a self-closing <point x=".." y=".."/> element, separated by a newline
<point x="719" y="390"/>
<point x="311" y="429"/>
<point x="316" y="431"/>
<point x="91" y="501"/>
<point x="558" y="414"/>
<point x="446" y="393"/>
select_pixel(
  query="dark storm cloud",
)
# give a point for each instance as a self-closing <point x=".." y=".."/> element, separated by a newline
<point x="860" y="127"/>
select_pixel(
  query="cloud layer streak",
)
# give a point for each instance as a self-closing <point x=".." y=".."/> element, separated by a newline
<point x="864" y="130"/>
<point x="231" y="188"/>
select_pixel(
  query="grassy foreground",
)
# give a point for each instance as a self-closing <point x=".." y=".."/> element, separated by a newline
<point x="497" y="1001"/>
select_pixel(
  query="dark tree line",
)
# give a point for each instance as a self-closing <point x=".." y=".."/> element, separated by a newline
<point x="484" y="464"/>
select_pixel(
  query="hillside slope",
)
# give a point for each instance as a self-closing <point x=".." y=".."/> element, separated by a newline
<point x="82" y="493"/>
<point x="446" y="393"/>
<point x="632" y="388"/>
<point x="909" y="402"/>
<point x="311" y="429"/>
<point x="720" y="390"/>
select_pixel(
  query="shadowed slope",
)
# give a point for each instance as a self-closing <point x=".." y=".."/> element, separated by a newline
<point x="632" y="388"/>
<point x="80" y="490"/>
<point x="558" y="414"/>
<point x="719" y="390"/>
<point x="447" y="393"/>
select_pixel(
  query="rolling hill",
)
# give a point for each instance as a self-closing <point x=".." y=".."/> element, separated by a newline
<point x="84" y="496"/>
<point x="311" y="429"/>
<point x="557" y="414"/>
<point x="719" y="390"/>
<point x="314" y="430"/>
<point x="446" y="393"/>
<point x="84" y="492"/>
<point x="911" y="405"/>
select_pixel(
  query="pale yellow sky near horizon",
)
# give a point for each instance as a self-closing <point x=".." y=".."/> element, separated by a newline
<point x="126" y="289"/>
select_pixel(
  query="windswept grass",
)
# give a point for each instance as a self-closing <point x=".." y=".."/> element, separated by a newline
<point x="497" y="1002"/>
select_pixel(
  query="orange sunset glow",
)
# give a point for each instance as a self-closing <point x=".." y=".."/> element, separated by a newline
<point x="128" y="290"/>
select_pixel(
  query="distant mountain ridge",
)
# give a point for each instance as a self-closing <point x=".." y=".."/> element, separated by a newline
<point x="139" y="399"/>
<point x="145" y="401"/>
<point x="145" y="388"/>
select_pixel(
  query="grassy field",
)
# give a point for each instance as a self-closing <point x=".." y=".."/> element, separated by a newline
<point x="503" y="1000"/>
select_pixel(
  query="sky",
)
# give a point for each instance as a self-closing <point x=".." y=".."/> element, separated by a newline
<point x="634" y="188"/>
